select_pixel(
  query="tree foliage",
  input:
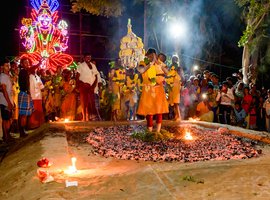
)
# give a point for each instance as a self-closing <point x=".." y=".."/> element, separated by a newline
<point x="255" y="14"/>
<point x="107" y="8"/>
<point x="255" y="38"/>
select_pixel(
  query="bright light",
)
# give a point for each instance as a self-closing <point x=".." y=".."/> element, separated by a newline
<point x="72" y="169"/>
<point x="73" y="160"/>
<point x="66" y="120"/>
<point x="178" y="29"/>
<point x="204" y="96"/>
<point x="195" y="67"/>
<point x="188" y="136"/>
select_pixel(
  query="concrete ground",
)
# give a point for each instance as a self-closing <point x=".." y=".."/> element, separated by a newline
<point x="109" y="178"/>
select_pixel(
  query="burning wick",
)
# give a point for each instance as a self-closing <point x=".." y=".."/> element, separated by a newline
<point x="72" y="169"/>
<point x="188" y="136"/>
<point x="73" y="160"/>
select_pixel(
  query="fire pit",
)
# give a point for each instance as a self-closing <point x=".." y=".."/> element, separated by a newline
<point x="189" y="144"/>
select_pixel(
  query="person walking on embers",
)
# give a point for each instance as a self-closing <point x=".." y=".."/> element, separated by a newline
<point x="153" y="98"/>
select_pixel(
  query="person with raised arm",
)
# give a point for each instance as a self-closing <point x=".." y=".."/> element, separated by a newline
<point x="153" y="98"/>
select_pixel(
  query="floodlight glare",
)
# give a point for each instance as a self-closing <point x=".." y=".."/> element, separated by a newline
<point x="204" y="96"/>
<point x="178" y="29"/>
<point x="195" y="67"/>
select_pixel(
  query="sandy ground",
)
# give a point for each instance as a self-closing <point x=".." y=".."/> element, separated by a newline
<point x="108" y="178"/>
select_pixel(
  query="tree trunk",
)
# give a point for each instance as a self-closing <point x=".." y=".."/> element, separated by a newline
<point x="253" y="69"/>
<point x="249" y="65"/>
<point x="245" y="64"/>
<point x="145" y="36"/>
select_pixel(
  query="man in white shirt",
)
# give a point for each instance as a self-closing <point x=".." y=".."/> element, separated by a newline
<point x="6" y="103"/>
<point x="225" y="97"/>
<point x="87" y="80"/>
<point x="37" y="118"/>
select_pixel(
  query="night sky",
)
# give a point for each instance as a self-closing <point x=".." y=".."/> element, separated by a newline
<point x="10" y="15"/>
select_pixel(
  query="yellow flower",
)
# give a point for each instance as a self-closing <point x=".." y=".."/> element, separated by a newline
<point x="124" y="88"/>
<point x="152" y="73"/>
<point x="27" y="21"/>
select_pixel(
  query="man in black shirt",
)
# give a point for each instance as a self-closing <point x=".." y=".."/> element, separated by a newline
<point x="25" y="102"/>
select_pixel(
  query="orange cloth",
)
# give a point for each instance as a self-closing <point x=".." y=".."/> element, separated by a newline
<point x="117" y="100"/>
<point x="68" y="107"/>
<point x="204" y="113"/>
<point x="174" y="93"/>
<point x="37" y="117"/>
<point x="153" y="98"/>
<point x="202" y="108"/>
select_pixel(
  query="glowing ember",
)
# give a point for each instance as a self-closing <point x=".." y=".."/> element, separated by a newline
<point x="194" y="119"/>
<point x="66" y="120"/>
<point x="72" y="169"/>
<point x="188" y="136"/>
<point x="206" y="144"/>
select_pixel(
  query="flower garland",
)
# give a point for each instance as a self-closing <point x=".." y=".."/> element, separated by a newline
<point x="151" y="72"/>
<point x="170" y="77"/>
<point x="119" y="77"/>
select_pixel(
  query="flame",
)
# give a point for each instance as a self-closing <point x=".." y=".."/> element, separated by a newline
<point x="73" y="160"/>
<point x="66" y="120"/>
<point x="188" y="136"/>
<point x="194" y="119"/>
<point x="72" y="169"/>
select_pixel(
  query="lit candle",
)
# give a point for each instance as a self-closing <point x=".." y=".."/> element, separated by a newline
<point x="72" y="169"/>
<point x="73" y="160"/>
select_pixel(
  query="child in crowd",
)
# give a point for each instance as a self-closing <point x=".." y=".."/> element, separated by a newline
<point x="240" y="115"/>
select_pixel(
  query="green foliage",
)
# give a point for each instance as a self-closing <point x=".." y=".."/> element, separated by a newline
<point x="146" y="61"/>
<point x="107" y="8"/>
<point x="245" y="37"/>
<point x="255" y="13"/>
<point x="73" y="66"/>
<point x="112" y="64"/>
<point x="148" y="136"/>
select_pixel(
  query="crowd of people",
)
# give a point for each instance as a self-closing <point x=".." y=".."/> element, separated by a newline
<point x="155" y="89"/>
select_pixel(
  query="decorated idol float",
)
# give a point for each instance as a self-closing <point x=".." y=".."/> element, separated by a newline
<point x="130" y="54"/>
<point x="45" y="38"/>
<point x="131" y="48"/>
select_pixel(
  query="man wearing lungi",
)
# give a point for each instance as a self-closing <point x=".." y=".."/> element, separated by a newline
<point x="87" y="80"/>
<point x="25" y="102"/>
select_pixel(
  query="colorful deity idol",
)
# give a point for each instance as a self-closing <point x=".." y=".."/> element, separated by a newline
<point x="44" y="39"/>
